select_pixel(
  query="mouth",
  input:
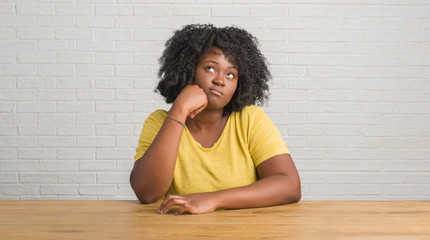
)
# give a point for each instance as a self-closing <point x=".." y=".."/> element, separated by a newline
<point x="215" y="92"/>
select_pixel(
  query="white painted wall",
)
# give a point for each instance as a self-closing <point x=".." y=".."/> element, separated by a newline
<point x="350" y="92"/>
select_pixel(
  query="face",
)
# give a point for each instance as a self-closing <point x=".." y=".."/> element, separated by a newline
<point x="217" y="76"/>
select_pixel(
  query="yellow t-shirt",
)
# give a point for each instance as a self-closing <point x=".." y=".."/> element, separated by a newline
<point x="248" y="139"/>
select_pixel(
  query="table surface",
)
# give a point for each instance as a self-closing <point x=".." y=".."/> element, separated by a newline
<point x="131" y="220"/>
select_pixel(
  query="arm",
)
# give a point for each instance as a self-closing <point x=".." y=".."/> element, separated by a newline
<point x="152" y="174"/>
<point x="279" y="184"/>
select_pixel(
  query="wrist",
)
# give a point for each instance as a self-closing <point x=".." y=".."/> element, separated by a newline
<point x="178" y="113"/>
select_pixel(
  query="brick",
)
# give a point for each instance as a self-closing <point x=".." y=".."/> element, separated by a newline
<point x="77" y="177"/>
<point x="76" y="83"/>
<point x="37" y="153"/>
<point x="72" y="130"/>
<point x="363" y="24"/>
<point x="95" y="118"/>
<point x="127" y="141"/>
<point x="116" y="83"/>
<point x="7" y="107"/>
<point x="306" y="12"/>
<point x="75" y="153"/>
<point x="37" y="33"/>
<point x="125" y="189"/>
<point x="8" y="130"/>
<point x="99" y="141"/>
<point x="113" y="58"/>
<point x="18" y="119"/>
<point x="18" y="166"/>
<point x="35" y="83"/>
<point x="402" y="190"/>
<point x="94" y="22"/>
<point x="74" y="10"/>
<point x="36" y="107"/>
<point x="17" y="46"/>
<point x="379" y="131"/>
<point x="305" y="130"/>
<point x="132" y="22"/>
<point x="94" y="70"/>
<point x="115" y="154"/>
<point x="345" y="36"/>
<point x="115" y="178"/>
<point x="97" y="165"/>
<point x="56" y="141"/>
<point x="73" y="34"/>
<point x="56" y="119"/>
<point x="35" y="9"/>
<point x="154" y="11"/>
<point x="95" y="46"/>
<point x="299" y="59"/>
<point x="136" y="95"/>
<point x="113" y="107"/>
<point x="74" y="107"/>
<point x="55" y="165"/>
<point x="46" y="70"/>
<point x="114" y="130"/>
<point x="8" y="177"/>
<point x="38" y="178"/>
<point x="322" y="118"/>
<point x="55" y="45"/>
<point x="20" y="189"/>
<point x="18" y="70"/>
<point x="402" y="25"/>
<point x="306" y="107"/>
<point x="55" y="95"/>
<point x="195" y="10"/>
<point x="79" y="58"/>
<point x="418" y="12"/>
<point x="268" y="11"/>
<point x="55" y="21"/>
<point x="60" y="189"/>
<point x="12" y="141"/>
<point x="113" y="10"/>
<point x="319" y="141"/>
<point x="287" y="23"/>
<point x="97" y="189"/>
<point x="95" y="94"/>
<point x="344" y="165"/>
<point x="17" y="21"/>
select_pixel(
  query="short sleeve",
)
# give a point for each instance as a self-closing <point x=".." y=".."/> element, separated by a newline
<point x="149" y="131"/>
<point x="264" y="139"/>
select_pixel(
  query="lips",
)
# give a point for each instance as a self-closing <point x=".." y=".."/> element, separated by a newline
<point x="215" y="92"/>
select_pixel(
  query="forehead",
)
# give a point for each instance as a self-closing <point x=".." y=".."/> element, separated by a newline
<point x="219" y="52"/>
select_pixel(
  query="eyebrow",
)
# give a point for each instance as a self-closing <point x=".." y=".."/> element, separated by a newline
<point x="215" y="62"/>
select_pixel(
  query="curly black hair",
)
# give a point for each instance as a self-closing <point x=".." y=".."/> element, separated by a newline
<point x="182" y="52"/>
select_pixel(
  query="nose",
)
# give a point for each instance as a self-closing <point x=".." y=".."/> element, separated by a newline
<point x="218" y="80"/>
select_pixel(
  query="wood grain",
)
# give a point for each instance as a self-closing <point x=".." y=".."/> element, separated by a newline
<point x="131" y="220"/>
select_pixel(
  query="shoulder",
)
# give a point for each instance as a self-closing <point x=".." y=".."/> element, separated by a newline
<point x="251" y="112"/>
<point x="157" y="116"/>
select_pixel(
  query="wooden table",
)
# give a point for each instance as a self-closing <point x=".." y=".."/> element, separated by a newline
<point x="130" y="220"/>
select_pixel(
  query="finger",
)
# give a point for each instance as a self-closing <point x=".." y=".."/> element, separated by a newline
<point x="183" y="208"/>
<point x="197" y="111"/>
<point x="166" y="200"/>
<point x="172" y="203"/>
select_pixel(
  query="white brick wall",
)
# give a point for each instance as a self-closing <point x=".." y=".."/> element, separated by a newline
<point x="350" y="92"/>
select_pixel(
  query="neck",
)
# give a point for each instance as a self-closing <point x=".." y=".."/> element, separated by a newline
<point x="206" y="120"/>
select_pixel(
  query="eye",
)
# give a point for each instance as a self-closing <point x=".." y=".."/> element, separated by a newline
<point x="230" y="75"/>
<point x="210" y="69"/>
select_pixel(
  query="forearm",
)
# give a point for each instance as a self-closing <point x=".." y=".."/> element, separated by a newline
<point x="152" y="174"/>
<point x="270" y="191"/>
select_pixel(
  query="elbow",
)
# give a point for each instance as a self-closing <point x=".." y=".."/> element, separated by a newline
<point x="293" y="192"/>
<point x="142" y="193"/>
<point x="147" y="199"/>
